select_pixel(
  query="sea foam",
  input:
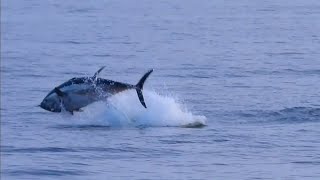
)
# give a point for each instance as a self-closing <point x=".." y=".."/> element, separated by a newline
<point x="125" y="110"/>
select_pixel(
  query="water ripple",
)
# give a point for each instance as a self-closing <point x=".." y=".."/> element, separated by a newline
<point x="43" y="172"/>
<point x="307" y="162"/>
<point x="287" y="115"/>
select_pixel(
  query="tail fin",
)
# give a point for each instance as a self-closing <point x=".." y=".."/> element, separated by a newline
<point x="139" y="87"/>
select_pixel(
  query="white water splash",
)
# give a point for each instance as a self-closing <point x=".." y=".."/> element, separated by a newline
<point x="125" y="110"/>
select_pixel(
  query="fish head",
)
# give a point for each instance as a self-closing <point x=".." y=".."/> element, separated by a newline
<point x="51" y="103"/>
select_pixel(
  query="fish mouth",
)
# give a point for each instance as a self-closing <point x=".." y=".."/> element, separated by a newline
<point x="48" y="108"/>
<point x="43" y="107"/>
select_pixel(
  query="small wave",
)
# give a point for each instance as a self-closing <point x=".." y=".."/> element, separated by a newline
<point x="287" y="115"/>
<point x="102" y="55"/>
<point x="284" y="53"/>
<point x="74" y="42"/>
<point x="307" y="162"/>
<point x="122" y="151"/>
<point x="81" y="10"/>
<point x="83" y="127"/>
<point x="37" y="150"/>
<point x="43" y="172"/>
<point x="306" y="72"/>
<point x="125" y="110"/>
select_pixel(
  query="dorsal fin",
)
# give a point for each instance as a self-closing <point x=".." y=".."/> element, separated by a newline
<point x="94" y="77"/>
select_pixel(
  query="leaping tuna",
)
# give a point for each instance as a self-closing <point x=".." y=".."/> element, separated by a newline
<point x="80" y="92"/>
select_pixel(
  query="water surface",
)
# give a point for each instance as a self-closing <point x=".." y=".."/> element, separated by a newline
<point x="249" y="70"/>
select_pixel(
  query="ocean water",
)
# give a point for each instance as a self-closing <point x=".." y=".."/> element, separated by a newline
<point x="234" y="93"/>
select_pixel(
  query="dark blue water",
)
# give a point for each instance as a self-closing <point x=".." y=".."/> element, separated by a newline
<point x="247" y="70"/>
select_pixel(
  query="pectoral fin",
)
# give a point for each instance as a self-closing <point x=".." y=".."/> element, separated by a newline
<point x="59" y="92"/>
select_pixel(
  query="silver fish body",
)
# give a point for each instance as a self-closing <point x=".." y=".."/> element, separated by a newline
<point x="80" y="92"/>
